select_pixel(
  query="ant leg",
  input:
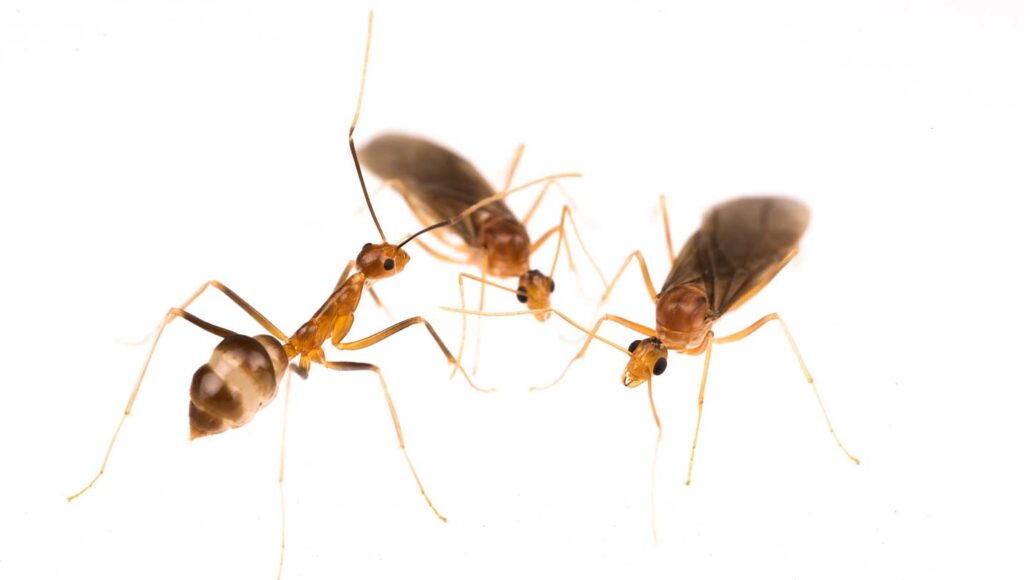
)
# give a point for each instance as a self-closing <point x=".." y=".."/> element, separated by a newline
<point x="356" y="366"/>
<point x="464" y="317"/>
<point x="591" y="334"/>
<point x="260" y="318"/>
<point x="643" y="271"/>
<point x="515" y="159"/>
<point x="540" y="198"/>
<point x="707" y="347"/>
<point x="282" y="464"/>
<point x="503" y="194"/>
<point x="668" y="234"/>
<point x="654" y="411"/>
<point x="590" y="337"/>
<point x="394" y="329"/>
<point x="561" y="240"/>
<point x="379" y="303"/>
<point x="804" y="368"/>
<point x="566" y="212"/>
<point x="654" y="463"/>
<point x="594" y="334"/>
<point x="172" y="314"/>
<point x="484" y="265"/>
<point x="253" y="312"/>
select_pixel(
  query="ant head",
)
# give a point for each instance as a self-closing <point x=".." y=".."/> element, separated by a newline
<point x="682" y="316"/>
<point x="535" y="291"/>
<point x="378" y="261"/>
<point x="646" y="357"/>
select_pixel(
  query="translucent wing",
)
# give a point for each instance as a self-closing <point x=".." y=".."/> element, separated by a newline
<point x="739" y="248"/>
<point x="440" y="183"/>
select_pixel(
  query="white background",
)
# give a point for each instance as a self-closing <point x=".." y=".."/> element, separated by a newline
<point x="148" y="146"/>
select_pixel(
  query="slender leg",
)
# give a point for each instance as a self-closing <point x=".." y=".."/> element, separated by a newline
<point x="654" y="464"/>
<point x="644" y="273"/>
<point x="668" y="233"/>
<point x="590" y="337"/>
<point x="253" y="312"/>
<point x="503" y="194"/>
<point x="562" y="240"/>
<point x="654" y="411"/>
<point x="804" y="368"/>
<point x="282" y="469"/>
<point x="515" y="159"/>
<point x="464" y="317"/>
<point x="591" y="334"/>
<point x="379" y="303"/>
<point x="700" y="403"/>
<point x="484" y="266"/>
<point x="172" y="314"/>
<point x="536" y="203"/>
<point x="539" y="198"/>
<point x="613" y="318"/>
<point x="356" y="366"/>
<point x="394" y="329"/>
<point x="566" y="212"/>
<point x="558" y="313"/>
<point x="260" y="318"/>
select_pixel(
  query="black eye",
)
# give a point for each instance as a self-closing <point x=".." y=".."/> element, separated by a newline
<point x="633" y="345"/>
<point x="388" y="264"/>
<point x="523" y="298"/>
<point x="552" y="286"/>
<point x="659" y="365"/>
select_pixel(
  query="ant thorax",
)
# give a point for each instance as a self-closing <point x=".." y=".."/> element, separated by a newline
<point x="682" y="317"/>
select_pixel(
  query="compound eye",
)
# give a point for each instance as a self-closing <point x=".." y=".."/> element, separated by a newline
<point x="522" y="296"/>
<point x="633" y="345"/>
<point x="388" y="264"/>
<point x="552" y="286"/>
<point x="659" y="365"/>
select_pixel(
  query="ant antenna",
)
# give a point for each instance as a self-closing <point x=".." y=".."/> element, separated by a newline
<point x="354" y="123"/>
<point x="424" y="230"/>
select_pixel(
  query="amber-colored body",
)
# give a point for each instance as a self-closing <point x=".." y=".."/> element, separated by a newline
<point x="439" y="184"/>
<point x="741" y="245"/>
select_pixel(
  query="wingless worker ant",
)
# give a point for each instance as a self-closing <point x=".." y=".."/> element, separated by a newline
<point x="243" y="374"/>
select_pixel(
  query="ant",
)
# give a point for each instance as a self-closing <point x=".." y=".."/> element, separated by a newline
<point x="740" y="247"/>
<point x="438" y="184"/>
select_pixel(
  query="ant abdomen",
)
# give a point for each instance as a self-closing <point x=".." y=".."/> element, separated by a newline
<point x="242" y="375"/>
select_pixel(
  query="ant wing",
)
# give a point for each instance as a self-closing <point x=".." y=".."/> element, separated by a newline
<point x="741" y="245"/>
<point x="438" y="183"/>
